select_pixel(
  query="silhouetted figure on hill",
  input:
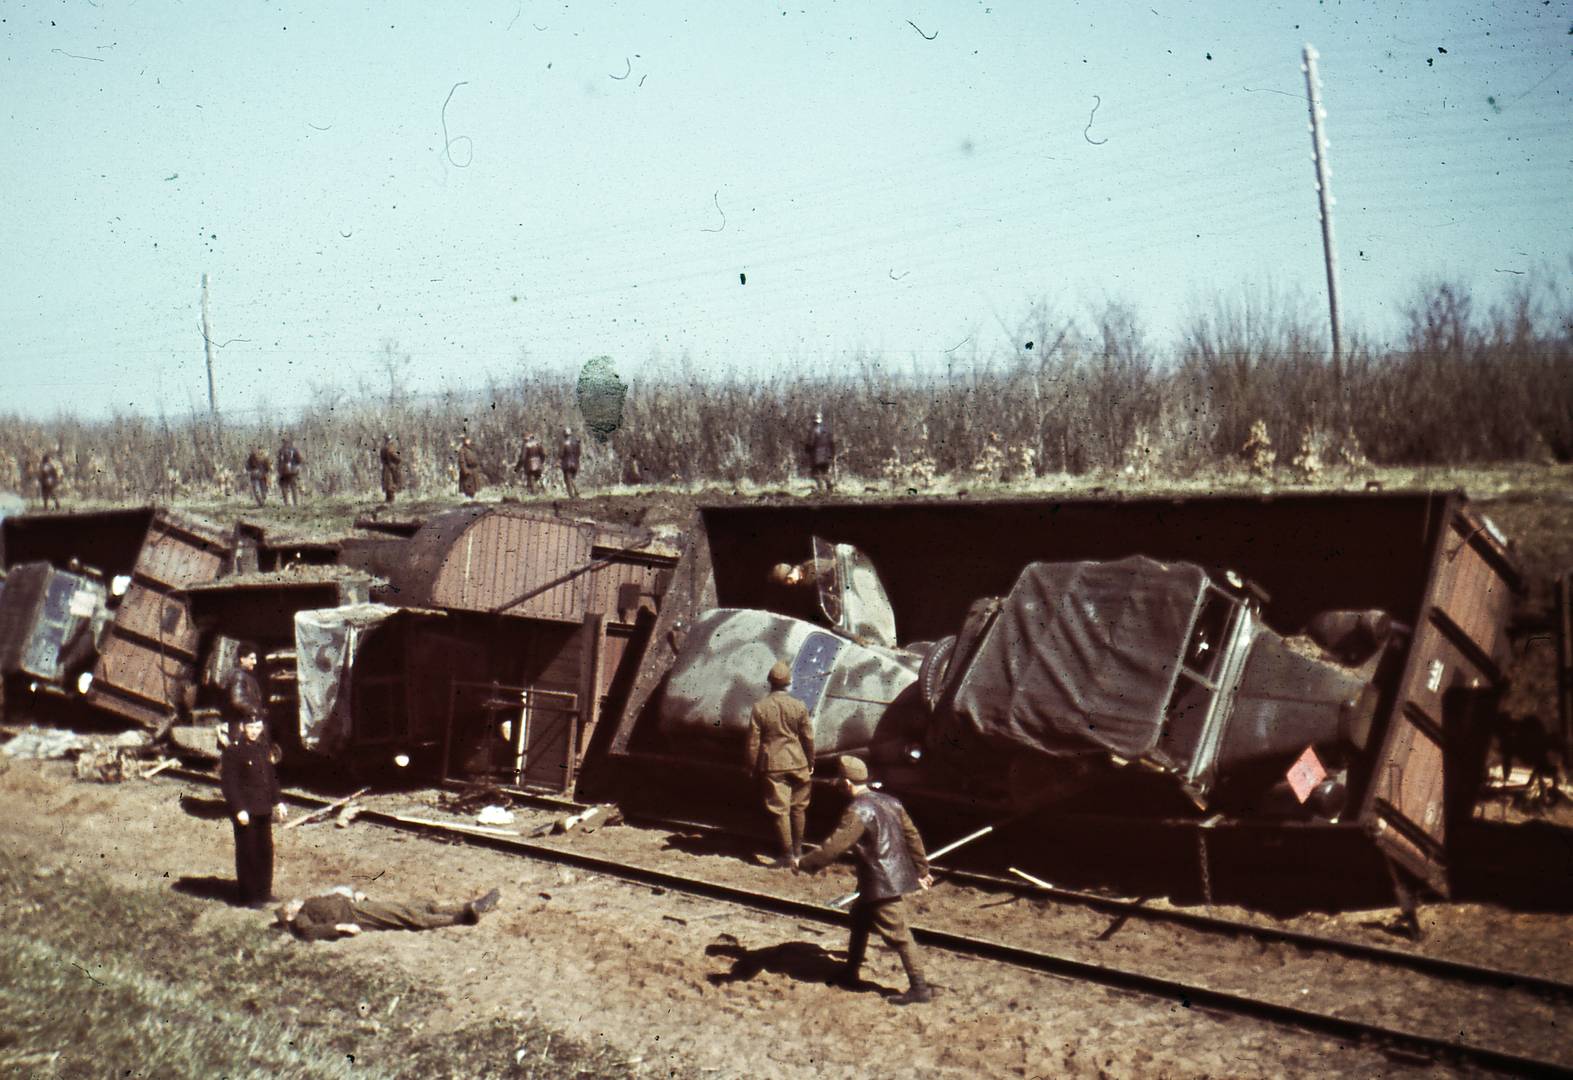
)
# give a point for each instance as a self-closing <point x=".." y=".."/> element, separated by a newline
<point x="290" y="463"/>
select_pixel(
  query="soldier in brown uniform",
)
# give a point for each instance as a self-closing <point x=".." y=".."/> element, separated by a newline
<point x="891" y="863"/>
<point x="392" y="467"/>
<point x="781" y="754"/>
<point x="258" y="466"/>
<point x="469" y="468"/>
<point x="290" y="462"/>
<point x="568" y="452"/>
<point x="532" y="462"/>
<point x="49" y="481"/>
<point x="822" y="454"/>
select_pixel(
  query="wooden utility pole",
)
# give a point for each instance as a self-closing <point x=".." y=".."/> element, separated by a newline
<point x="207" y="349"/>
<point x="1324" y="192"/>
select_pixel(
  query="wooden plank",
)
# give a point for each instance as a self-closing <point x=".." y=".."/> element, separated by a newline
<point x="592" y="658"/>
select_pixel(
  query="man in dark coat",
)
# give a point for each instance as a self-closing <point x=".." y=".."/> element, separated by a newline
<point x="891" y="863"/>
<point x="392" y="467"/>
<point x="532" y="462"/>
<point x="469" y="468"/>
<point x="342" y="912"/>
<point x="290" y="463"/>
<point x="242" y="695"/>
<point x="49" y="481"/>
<point x="781" y="755"/>
<point x="821" y="454"/>
<point x="251" y="791"/>
<point x="568" y="457"/>
<point x="257" y="469"/>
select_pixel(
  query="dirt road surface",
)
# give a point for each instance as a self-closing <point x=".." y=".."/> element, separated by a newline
<point x="696" y="986"/>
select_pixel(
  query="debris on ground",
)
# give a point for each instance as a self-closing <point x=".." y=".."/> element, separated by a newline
<point x="45" y="744"/>
<point x="107" y="759"/>
<point x="494" y="815"/>
<point x="585" y="821"/>
<point x="471" y="799"/>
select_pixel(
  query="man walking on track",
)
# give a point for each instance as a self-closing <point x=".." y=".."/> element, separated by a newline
<point x="890" y="864"/>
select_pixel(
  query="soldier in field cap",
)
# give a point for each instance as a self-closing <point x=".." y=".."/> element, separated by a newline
<point x="781" y="755"/>
<point x="891" y="863"/>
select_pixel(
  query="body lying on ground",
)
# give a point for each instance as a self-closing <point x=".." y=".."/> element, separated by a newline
<point x="343" y="912"/>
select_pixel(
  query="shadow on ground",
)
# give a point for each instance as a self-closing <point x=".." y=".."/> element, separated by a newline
<point x="208" y="887"/>
<point x="800" y="960"/>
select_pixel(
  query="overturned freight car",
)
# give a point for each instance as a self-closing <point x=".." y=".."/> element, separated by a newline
<point x="98" y="614"/>
<point x="489" y="654"/>
<point x="1131" y="658"/>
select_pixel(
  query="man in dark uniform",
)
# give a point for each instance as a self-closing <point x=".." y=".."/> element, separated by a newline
<point x="392" y="467"/>
<point x="49" y="481"/>
<point x="257" y="468"/>
<point x="821" y="454"/>
<point x="469" y="468"/>
<point x="242" y="695"/>
<point x="568" y="457"/>
<point x="251" y="791"/>
<point x="342" y="912"/>
<point x="781" y="755"/>
<point x="891" y="863"/>
<point x="532" y="462"/>
<point x="290" y="463"/>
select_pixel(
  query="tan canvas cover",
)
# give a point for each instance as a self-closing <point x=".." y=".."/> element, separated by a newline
<point x="325" y="643"/>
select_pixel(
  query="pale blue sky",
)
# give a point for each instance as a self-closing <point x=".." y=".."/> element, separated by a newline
<point x="881" y="191"/>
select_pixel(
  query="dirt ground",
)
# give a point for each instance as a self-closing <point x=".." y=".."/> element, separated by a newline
<point x="680" y="983"/>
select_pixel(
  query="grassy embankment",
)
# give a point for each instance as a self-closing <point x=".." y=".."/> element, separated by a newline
<point x="1071" y="397"/>
<point x="98" y="981"/>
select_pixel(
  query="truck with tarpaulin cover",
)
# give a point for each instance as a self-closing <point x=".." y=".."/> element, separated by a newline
<point x="1318" y="666"/>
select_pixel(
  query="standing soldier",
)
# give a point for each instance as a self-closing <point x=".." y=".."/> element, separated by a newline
<point x="821" y="454"/>
<point x="257" y="468"/>
<point x="532" y="462"/>
<point x="242" y="694"/>
<point x="251" y="791"/>
<point x="890" y="864"/>
<point x="469" y="468"/>
<point x="392" y="467"/>
<point x="49" y="481"/>
<point x="290" y="463"/>
<point x="781" y="755"/>
<point x="568" y="457"/>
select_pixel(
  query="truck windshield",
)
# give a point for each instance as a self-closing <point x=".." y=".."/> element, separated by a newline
<point x="851" y="594"/>
<point x="1185" y="718"/>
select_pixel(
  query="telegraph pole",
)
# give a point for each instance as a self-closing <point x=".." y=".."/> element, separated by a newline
<point x="1324" y="193"/>
<point x="207" y="349"/>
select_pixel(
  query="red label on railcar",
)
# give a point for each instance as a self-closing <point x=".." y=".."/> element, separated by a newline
<point x="1305" y="774"/>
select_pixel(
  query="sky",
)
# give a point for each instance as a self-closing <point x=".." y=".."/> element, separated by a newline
<point x="731" y="187"/>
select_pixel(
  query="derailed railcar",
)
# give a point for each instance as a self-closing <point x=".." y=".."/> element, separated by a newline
<point x="500" y="635"/>
<point x="144" y="657"/>
<point x="1426" y="560"/>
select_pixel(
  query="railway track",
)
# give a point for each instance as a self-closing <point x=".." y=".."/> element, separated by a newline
<point x="1436" y="966"/>
<point x="1407" y="1044"/>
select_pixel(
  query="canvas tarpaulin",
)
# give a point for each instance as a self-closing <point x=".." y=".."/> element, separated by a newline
<point x="325" y="643"/>
<point x="1081" y="657"/>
